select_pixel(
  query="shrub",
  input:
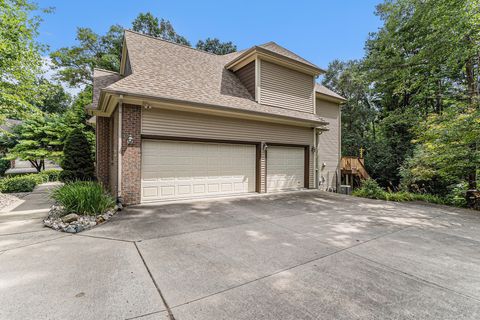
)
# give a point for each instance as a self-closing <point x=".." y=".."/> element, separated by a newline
<point x="456" y="195"/>
<point x="24" y="183"/>
<point x="83" y="197"/>
<point x="50" y="175"/>
<point x="77" y="162"/>
<point x="4" y="166"/>
<point x="370" y="189"/>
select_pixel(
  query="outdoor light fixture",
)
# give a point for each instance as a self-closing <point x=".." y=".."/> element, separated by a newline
<point x="313" y="149"/>
<point x="264" y="146"/>
<point x="130" y="139"/>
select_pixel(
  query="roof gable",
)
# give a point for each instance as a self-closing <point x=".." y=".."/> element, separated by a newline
<point x="179" y="74"/>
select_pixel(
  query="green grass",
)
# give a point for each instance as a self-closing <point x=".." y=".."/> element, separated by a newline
<point x="83" y="197"/>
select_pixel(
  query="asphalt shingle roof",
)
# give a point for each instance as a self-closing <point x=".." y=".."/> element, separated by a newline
<point x="324" y="90"/>
<point x="165" y="70"/>
<point x="101" y="79"/>
<point x="273" y="47"/>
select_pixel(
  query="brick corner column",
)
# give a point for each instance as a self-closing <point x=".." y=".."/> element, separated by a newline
<point x="131" y="154"/>
<point x="102" y="133"/>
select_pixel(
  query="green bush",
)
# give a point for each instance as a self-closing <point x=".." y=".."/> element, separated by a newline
<point x="77" y="163"/>
<point x="50" y="175"/>
<point x="370" y="189"/>
<point x="83" y="197"/>
<point x="19" y="183"/>
<point x="456" y="195"/>
<point x="4" y="166"/>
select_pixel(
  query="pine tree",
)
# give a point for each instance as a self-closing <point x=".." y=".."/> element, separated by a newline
<point x="77" y="162"/>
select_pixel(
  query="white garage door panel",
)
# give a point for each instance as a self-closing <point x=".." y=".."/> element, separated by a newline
<point x="285" y="168"/>
<point x="175" y="169"/>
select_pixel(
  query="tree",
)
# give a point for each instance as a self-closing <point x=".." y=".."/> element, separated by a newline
<point x="52" y="97"/>
<point x="148" y="24"/>
<point x="20" y="57"/>
<point x="216" y="47"/>
<point x="359" y="112"/>
<point x="37" y="139"/>
<point x="77" y="163"/>
<point x="75" y="64"/>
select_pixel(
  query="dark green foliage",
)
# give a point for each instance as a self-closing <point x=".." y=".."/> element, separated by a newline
<point x="148" y="24"/>
<point x="215" y="46"/>
<point x="77" y="163"/>
<point x="4" y="166"/>
<point x="50" y="175"/>
<point x="37" y="139"/>
<point x="370" y="189"/>
<point x="24" y="183"/>
<point x="83" y="197"/>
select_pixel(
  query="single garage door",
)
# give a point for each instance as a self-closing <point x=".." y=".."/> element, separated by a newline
<point x="175" y="169"/>
<point x="285" y="168"/>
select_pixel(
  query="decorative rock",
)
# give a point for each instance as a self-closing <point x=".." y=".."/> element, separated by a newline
<point x="70" y="218"/>
<point x="73" y="223"/>
<point x="70" y="229"/>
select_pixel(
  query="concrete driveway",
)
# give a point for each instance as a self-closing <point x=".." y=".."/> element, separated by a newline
<point x="302" y="255"/>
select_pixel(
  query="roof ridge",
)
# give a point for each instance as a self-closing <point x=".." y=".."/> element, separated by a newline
<point x="284" y="48"/>
<point x="105" y="70"/>
<point x="171" y="42"/>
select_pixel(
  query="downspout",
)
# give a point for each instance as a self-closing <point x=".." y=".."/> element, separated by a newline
<point x="315" y="157"/>
<point x="119" y="147"/>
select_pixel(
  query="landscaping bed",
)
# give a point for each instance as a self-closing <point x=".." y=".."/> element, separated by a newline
<point x="9" y="199"/>
<point x="80" y="206"/>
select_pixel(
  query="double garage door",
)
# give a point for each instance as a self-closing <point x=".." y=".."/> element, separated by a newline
<point x="177" y="169"/>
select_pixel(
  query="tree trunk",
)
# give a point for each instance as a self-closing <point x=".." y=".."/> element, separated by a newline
<point x="471" y="85"/>
<point x="36" y="165"/>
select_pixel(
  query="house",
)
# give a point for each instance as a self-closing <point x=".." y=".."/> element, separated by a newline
<point x="177" y="122"/>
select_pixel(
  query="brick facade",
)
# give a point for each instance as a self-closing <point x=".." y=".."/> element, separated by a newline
<point x="103" y="150"/>
<point x="131" y="154"/>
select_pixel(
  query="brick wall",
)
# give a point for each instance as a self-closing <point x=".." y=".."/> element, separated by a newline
<point x="131" y="154"/>
<point x="102" y="130"/>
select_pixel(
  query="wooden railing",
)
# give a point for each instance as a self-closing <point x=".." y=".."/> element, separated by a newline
<point x="354" y="166"/>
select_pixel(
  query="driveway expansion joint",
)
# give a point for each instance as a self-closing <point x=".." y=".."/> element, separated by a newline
<point x="24" y="232"/>
<point x="414" y="277"/>
<point x="169" y="311"/>
<point x="39" y="242"/>
<point x="144" y="315"/>
<point x="103" y="238"/>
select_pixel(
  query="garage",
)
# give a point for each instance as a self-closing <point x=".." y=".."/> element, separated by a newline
<point x="285" y="168"/>
<point x="181" y="169"/>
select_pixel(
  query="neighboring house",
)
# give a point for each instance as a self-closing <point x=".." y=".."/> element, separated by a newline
<point x="179" y="123"/>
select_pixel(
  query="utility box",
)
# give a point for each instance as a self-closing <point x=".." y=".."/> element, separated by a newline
<point x="346" y="189"/>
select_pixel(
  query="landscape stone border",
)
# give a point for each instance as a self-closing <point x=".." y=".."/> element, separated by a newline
<point x="74" y="223"/>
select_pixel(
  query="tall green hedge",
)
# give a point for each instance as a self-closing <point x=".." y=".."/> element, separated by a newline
<point x="77" y="161"/>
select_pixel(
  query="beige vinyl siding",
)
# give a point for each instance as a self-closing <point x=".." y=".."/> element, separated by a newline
<point x="247" y="76"/>
<point x="286" y="88"/>
<point x="329" y="144"/>
<point x="162" y="122"/>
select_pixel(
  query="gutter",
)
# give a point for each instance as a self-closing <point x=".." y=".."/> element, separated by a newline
<point x="214" y="107"/>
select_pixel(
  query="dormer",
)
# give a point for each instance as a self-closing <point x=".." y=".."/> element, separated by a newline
<point x="277" y="77"/>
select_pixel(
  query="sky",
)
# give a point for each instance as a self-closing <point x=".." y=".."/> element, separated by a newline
<point x="319" y="31"/>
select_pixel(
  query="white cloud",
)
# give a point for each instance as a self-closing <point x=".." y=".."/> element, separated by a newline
<point x="49" y="74"/>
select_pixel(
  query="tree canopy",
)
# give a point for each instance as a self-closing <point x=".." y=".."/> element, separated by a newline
<point x="413" y="100"/>
<point x="20" y="57"/>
